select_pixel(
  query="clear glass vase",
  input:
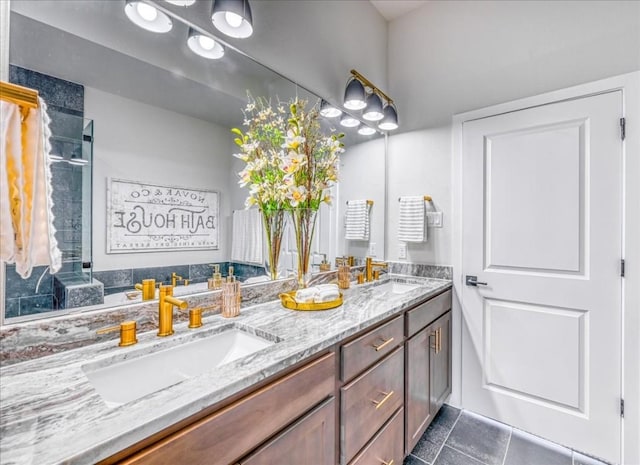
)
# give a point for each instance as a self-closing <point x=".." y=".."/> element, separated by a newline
<point x="274" y="223"/>
<point x="304" y="225"/>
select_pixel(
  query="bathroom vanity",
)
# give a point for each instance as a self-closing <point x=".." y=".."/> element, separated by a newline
<point x="354" y="385"/>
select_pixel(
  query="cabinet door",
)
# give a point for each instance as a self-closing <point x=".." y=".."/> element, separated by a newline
<point x="440" y="361"/>
<point x="418" y="401"/>
<point x="309" y="440"/>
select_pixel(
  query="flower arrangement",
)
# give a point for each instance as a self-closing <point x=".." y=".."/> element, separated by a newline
<point x="290" y="162"/>
<point x="290" y="165"/>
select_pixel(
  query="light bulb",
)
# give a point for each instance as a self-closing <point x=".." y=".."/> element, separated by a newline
<point x="147" y="12"/>
<point x="207" y="43"/>
<point x="233" y="19"/>
<point x="349" y="122"/>
<point x="366" y="131"/>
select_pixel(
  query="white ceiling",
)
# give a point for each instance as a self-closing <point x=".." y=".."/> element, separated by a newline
<point x="392" y="9"/>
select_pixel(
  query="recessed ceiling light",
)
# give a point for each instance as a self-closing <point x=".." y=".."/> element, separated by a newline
<point x="147" y="16"/>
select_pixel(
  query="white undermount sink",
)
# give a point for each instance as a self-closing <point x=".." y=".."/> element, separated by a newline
<point x="396" y="287"/>
<point x="130" y="379"/>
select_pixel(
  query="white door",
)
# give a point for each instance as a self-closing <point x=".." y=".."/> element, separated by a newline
<point x="542" y="227"/>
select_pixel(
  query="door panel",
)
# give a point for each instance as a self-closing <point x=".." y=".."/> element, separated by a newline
<point x="542" y="226"/>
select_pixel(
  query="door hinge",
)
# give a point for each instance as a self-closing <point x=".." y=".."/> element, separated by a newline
<point x="622" y="408"/>
<point x="623" y="128"/>
<point x="622" y="267"/>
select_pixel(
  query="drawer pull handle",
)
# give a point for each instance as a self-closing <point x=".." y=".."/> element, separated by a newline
<point x="383" y="345"/>
<point x="390" y="462"/>
<point x="387" y="396"/>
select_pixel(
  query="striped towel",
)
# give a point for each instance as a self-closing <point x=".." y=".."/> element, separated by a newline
<point x="411" y="227"/>
<point x="357" y="220"/>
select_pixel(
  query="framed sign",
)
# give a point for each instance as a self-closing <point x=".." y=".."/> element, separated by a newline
<point x="152" y="218"/>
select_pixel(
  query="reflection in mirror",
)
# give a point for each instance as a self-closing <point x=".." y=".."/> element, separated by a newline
<point x="134" y="114"/>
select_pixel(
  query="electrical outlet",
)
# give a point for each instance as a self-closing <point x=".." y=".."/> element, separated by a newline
<point x="402" y="250"/>
<point x="372" y="249"/>
<point x="434" y="219"/>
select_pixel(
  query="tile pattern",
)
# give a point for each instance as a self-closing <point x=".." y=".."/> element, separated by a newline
<point x="458" y="437"/>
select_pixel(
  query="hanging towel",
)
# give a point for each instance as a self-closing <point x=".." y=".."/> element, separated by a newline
<point x="25" y="170"/>
<point x="411" y="226"/>
<point x="357" y="220"/>
<point x="247" y="237"/>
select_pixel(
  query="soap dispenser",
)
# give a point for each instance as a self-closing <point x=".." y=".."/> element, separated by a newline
<point x="231" y="276"/>
<point x="215" y="281"/>
<point x="325" y="265"/>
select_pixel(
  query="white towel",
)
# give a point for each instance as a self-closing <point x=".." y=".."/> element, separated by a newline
<point x="411" y="227"/>
<point x="25" y="174"/>
<point x="247" y="237"/>
<point x="357" y="220"/>
<point x="326" y="295"/>
<point x="306" y="295"/>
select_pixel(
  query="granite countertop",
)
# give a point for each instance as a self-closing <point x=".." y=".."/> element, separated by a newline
<point x="51" y="414"/>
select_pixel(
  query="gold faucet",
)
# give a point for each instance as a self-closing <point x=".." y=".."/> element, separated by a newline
<point x="165" y="310"/>
<point x="369" y="264"/>
<point x="175" y="278"/>
<point x="127" y="332"/>
<point x="148" y="288"/>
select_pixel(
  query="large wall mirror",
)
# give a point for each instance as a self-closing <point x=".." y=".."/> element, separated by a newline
<point x="132" y="109"/>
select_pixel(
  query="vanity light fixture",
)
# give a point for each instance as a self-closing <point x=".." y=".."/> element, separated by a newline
<point x="390" y="120"/>
<point x="233" y="18"/>
<point x="373" y="111"/>
<point x="349" y="121"/>
<point x="366" y="130"/>
<point x="55" y="157"/>
<point x="361" y="94"/>
<point x="78" y="161"/>
<point x="204" y="46"/>
<point x="329" y="111"/>
<point x="147" y="16"/>
<point x="354" y="95"/>
<point x="181" y="2"/>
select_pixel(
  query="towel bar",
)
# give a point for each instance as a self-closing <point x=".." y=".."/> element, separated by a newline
<point x="369" y="202"/>
<point x="427" y="198"/>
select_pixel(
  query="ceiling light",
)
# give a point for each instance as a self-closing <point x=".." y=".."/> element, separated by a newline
<point x="366" y="131"/>
<point x="349" y="121"/>
<point x="233" y="18"/>
<point x="390" y="120"/>
<point x="181" y="2"/>
<point x="354" y="95"/>
<point x="147" y="16"/>
<point x="373" y="111"/>
<point x="203" y="45"/>
<point x="329" y="111"/>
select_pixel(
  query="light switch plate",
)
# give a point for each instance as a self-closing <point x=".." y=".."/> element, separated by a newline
<point x="372" y="249"/>
<point x="402" y="250"/>
<point x="434" y="219"/>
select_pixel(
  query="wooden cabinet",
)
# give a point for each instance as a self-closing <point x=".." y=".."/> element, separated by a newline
<point x="235" y="430"/>
<point x="369" y="401"/>
<point x="428" y="365"/>
<point x="310" y="440"/>
<point x="387" y="446"/>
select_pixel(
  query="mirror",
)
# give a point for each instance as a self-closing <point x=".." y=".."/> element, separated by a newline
<point x="145" y="112"/>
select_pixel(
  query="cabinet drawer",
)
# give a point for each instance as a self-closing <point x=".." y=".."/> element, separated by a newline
<point x="370" y="347"/>
<point x="309" y="440"/>
<point x="368" y="401"/>
<point x="236" y="429"/>
<point x="425" y="313"/>
<point x="386" y="446"/>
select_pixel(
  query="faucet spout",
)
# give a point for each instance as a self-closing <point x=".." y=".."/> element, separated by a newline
<point x="369" y="265"/>
<point x="165" y="310"/>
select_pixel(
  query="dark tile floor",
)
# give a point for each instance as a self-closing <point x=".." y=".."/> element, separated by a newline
<point x="458" y="437"/>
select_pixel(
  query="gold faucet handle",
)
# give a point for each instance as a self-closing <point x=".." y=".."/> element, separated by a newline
<point x="127" y="329"/>
<point x="195" y="317"/>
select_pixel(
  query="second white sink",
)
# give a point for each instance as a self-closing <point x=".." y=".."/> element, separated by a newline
<point x="127" y="380"/>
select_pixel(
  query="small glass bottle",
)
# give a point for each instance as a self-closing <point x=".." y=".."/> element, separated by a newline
<point x="215" y="281"/>
<point x="231" y="297"/>
<point x="344" y="276"/>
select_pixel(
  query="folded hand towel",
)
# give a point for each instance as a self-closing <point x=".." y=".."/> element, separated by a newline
<point x="325" y="287"/>
<point x="306" y="295"/>
<point x="411" y="227"/>
<point x="357" y="220"/>
<point x="326" y="295"/>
